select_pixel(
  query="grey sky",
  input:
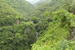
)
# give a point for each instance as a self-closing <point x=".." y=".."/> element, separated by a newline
<point x="32" y="1"/>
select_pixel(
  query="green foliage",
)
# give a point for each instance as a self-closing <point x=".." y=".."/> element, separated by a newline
<point x="17" y="37"/>
<point x="58" y="31"/>
<point x="48" y="25"/>
<point x="15" y="32"/>
<point x="7" y="21"/>
<point x="21" y="6"/>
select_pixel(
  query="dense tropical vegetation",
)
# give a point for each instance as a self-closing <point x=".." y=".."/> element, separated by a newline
<point x="45" y="25"/>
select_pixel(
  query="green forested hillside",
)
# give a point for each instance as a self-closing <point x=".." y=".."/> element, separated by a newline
<point x="14" y="31"/>
<point x="8" y="14"/>
<point x="46" y="25"/>
<point x="59" y="34"/>
<point x="21" y="6"/>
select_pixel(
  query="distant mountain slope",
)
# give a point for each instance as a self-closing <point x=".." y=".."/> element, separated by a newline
<point x="6" y="10"/>
<point x="21" y="6"/>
